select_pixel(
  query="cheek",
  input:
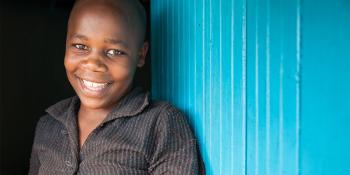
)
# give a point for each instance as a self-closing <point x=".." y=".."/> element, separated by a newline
<point x="69" y="66"/>
<point x="122" y="73"/>
<point x="70" y="63"/>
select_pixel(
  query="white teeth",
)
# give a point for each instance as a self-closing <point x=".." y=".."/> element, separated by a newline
<point x="94" y="86"/>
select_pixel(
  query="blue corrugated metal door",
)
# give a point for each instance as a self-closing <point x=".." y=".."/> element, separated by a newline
<point x="264" y="83"/>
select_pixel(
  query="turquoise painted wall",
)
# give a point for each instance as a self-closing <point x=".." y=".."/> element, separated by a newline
<point x="264" y="83"/>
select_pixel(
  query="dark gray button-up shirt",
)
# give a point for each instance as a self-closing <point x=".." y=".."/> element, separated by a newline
<point x="138" y="137"/>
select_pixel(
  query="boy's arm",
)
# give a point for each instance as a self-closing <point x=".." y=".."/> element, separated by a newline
<point x="175" y="149"/>
<point x="34" y="163"/>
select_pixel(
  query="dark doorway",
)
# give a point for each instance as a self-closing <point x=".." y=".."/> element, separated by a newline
<point x="32" y="76"/>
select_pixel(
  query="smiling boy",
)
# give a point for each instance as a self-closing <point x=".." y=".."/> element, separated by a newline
<point x="111" y="126"/>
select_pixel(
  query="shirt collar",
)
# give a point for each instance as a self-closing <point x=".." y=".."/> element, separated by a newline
<point x="131" y="104"/>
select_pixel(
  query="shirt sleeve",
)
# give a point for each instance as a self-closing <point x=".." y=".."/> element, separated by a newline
<point x="34" y="163"/>
<point x="175" y="150"/>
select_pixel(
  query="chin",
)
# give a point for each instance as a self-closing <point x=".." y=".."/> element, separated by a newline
<point x="92" y="103"/>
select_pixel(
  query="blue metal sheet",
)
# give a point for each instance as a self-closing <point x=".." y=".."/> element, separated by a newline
<point x="264" y="83"/>
<point x="325" y="131"/>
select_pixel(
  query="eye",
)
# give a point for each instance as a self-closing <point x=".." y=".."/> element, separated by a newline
<point x="80" y="46"/>
<point x="114" y="52"/>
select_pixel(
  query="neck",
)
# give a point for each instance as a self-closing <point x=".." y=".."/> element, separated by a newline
<point x="93" y="115"/>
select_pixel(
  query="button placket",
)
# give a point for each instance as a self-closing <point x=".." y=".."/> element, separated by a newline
<point x="91" y="136"/>
<point x="68" y="162"/>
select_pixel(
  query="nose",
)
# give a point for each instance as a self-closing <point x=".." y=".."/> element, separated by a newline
<point x="94" y="62"/>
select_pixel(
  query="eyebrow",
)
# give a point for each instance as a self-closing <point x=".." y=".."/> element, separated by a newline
<point x="108" y="40"/>
<point x="116" y="42"/>
<point x="79" y="36"/>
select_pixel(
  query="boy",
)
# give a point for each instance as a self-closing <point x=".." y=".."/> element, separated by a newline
<point x="110" y="127"/>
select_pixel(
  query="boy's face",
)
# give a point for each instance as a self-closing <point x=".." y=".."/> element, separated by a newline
<point x="102" y="54"/>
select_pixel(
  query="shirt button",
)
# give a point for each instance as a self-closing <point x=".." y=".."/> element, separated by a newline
<point x="68" y="163"/>
<point x="64" y="132"/>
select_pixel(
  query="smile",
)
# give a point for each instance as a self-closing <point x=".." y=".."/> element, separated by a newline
<point x="94" y="86"/>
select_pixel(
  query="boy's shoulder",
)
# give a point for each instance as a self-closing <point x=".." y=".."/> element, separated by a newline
<point x="164" y="108"/>
<point x="54" y="112"/>
<point x="61" y="106"/>
<point x="172" y="122"/>
<point x="167" y="115"/>
<point x="58" y="108"/>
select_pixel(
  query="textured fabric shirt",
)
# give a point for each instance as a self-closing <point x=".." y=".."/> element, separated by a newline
<point x="138" y="137"/>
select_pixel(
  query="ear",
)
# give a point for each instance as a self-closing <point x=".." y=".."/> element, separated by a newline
<point x="142" y="54"/>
